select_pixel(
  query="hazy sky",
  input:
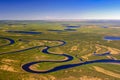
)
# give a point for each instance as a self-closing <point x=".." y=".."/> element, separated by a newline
<point x="59" y="9"/>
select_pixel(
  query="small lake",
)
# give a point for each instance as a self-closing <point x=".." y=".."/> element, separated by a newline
<point x="55" y="30"/>
<point x="111" y="38"/>
<point x="72" y="27"/>
<point x="24" y="32"/>
<point x="104" y="26"/>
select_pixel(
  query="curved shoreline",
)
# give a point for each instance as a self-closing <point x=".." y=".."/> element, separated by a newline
<point x="11" y="41"/>
<point x="27" y="66"/>
<point x="57" y="68"/>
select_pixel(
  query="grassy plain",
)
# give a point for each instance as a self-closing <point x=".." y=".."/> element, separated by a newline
<point x="81" y="43"/>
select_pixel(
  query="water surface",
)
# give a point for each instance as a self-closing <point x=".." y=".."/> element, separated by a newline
<point x="111" y="38"/>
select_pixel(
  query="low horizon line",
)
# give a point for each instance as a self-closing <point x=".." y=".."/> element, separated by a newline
<point x="53" y="19"/>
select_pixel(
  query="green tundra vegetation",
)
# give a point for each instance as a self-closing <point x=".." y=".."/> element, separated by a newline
<point x="80" y="44"/>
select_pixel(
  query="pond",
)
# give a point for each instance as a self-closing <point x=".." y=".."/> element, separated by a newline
<point x="111" y="38"/>
<point x="24" y="32"/>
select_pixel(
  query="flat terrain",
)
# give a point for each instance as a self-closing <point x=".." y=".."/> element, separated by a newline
<point x="47" y="50"/>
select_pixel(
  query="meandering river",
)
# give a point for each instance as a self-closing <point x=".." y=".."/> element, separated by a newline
<point x="27" y="66"/>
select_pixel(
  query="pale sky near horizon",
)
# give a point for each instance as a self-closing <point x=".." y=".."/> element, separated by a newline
<point x="59" y="9"/>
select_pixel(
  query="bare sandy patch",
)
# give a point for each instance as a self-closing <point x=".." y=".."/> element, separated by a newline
<point x="98" y="48"/>
<point x="22" y="47"/>
<point x="86" y="56"/>
<point x="107" y="72"/>
<point x="112" y="50"/>
<point x="39" y="77"/>
<point x="89" y="78"/>
<point x="81" y="78"/>
<point x="50" y="77"/>
<point x="8" y="68"/>
<point x="111" y="57"/>
<point x="8" y="61"/>
<point x="70" y="78"/>
<point x="74" y="48"/>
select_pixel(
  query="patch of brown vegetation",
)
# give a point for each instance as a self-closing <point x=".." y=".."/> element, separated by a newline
<point x="58" y="51"/>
